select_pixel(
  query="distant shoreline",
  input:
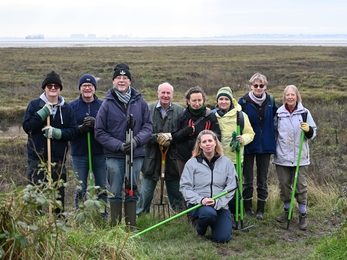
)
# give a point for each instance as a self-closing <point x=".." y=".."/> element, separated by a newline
<point x="156" y="42"/>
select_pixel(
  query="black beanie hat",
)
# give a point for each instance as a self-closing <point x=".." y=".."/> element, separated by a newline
<point x="87" y="78"/>
<point x="121" y="69"/>
<point x="52" y="77"/>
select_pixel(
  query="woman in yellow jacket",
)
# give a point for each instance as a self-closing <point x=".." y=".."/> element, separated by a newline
<point x="226" y="111"/>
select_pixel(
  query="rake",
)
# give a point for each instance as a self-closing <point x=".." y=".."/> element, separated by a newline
<point x="162" y="207"/>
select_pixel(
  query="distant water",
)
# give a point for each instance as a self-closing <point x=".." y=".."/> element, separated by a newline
<point x="142" y="42"/>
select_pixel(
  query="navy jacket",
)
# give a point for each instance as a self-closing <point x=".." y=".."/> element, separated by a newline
<point x="64" y="119"/>
<point x="79" y="145"/>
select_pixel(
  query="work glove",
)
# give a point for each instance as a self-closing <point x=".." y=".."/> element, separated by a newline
<point x="83" y="129"/>
<point x="305" y="127"/>
<point x="89" y="121"/>
<point x="189" y="130"/>
<point x="164" y="139"/>
<point x="51" y="132"/>
<point x="127" y="146"/>
<point x="46" y="111"/>
<point x="234" y="143"/>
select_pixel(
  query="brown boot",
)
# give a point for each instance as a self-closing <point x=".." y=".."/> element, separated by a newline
<point x="303" y="221"/>
<point x="284" y="217"/>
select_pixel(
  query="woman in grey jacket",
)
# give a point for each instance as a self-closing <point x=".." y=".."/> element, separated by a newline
<point x="291" y="119"/>
<point x="207" y="174"/>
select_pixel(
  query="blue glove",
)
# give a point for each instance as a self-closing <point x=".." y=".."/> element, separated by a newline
<point x="51" y="132"/>
<point x="46" y="111"/>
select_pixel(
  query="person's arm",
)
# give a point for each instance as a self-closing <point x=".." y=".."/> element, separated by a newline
<point x="247" y="133"/>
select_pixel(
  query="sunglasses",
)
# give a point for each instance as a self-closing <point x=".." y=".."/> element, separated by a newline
<point x="260" y="86"/>
<point x="50" y="86"/>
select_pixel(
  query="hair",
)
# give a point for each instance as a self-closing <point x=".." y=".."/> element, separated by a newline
<point x="298" y="96"/>
<point x="193" y="90"/>
<point x="197" y="150"/>
<point x="165" y="84"/>
<point x="258" y="76"/>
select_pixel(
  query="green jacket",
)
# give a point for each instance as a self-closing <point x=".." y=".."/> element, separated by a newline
<point x="152" y="162"/>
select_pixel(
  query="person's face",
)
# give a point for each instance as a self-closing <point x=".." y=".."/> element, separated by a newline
<point x="196" y="100"/>
<point x="87" y="90"/>
<point x="122" y="83"/>
<point x="224" y="103"/>
<point x="290" y="98"/>
<point x="52" y="90"/>
<point x="165" y="95"/>
<point x="207" y="144"/>
<point x="256" y="88"/>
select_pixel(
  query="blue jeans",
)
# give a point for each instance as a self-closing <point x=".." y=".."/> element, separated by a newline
<point x="115" y="168"/>
<point x="81" y="169"/>
<point x="219" y="220"/>
<point x="147" y="191"/>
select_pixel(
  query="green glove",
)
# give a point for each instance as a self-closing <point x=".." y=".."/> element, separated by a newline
<point x="46" y="111"/>
<point x="51" y="132"/>
<point x="234" y="143"/>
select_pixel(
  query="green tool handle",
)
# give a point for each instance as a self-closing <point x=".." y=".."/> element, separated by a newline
<point x="91" y="183"/>
<point x="178" y="215"/>
<point x="296" y="176"/>
<point x="239" y="173"/>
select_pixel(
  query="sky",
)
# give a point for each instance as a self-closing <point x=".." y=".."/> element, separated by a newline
<point x="166" y="18"/>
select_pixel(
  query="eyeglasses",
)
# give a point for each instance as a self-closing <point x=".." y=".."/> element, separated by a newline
<point x="50" y="86"/>
<point x="87" y="86"/>
<point x="260" y="86"/>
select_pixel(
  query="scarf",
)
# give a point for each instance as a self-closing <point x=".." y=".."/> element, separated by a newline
<point x="124" y="98"/>
<point x="196" y="112"/>
<point x="257" y="100"/>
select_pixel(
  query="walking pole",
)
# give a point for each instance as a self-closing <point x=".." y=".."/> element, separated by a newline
<point x="295" y="178"/>
<point x="49" y="166"/>
<point x="129" y="188"/>
<point x="179" y="214"/>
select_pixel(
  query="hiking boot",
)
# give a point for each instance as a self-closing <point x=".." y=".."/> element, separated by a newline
<point x="248" y="208"/>
<point x="260" y="210"/>
<point x="284" y="217"/>
<point x="303" y="221"/>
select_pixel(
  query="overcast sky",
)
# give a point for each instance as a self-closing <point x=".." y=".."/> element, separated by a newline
<point x="165" y="18"/>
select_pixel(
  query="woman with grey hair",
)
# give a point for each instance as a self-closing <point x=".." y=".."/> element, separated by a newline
<point x="261" y="109"/>
<point x="291" y="119"/>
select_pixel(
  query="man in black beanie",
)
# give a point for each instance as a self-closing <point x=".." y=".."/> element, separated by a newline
<point x="61" y="129"/>
<point x="120" y="103"/>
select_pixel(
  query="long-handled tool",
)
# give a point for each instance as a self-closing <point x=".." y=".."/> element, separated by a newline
<point x="238" y="195"/>
<point x="295" y="179"/>
<point x="180" y="214"/>
<point x="129" y="187"/>
<point x="49" y="166"/>
<point x="164" y="206"/>
<point x="91" y="182"/>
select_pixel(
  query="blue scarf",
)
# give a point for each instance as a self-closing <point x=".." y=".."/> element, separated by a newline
<point x="124" y="98"/>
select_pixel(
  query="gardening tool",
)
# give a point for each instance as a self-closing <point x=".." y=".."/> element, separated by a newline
<point x="129" y="187"/>
<point x="180" y="214"/>
<point x="91" y="182"/>
<point x="238" y="192"/>
<point x="296" y="177"/>
<point x="49" y="166"/>
<point x="164" y="206"/>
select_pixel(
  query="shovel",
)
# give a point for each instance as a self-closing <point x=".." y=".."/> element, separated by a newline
<point x="162" y="207"/>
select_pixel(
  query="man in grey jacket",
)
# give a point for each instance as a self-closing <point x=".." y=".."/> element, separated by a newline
<point x="164" y="114"/>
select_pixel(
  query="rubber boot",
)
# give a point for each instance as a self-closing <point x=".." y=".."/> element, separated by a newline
<point x="116" y="213"/>
<point x="260" y="210"/>
<point x="130" y="215"/>
<point x="284" y="217"/>
<point x="248" y="208"/>
<point x="303" y="221"/>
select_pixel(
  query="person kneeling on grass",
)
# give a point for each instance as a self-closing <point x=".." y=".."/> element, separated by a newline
<point x="207" y="174"/>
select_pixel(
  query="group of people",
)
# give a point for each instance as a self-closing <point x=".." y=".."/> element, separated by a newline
<point x="203" y="146"/>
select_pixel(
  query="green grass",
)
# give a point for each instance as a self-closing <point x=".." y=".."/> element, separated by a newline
<point x="318" y="72"/>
